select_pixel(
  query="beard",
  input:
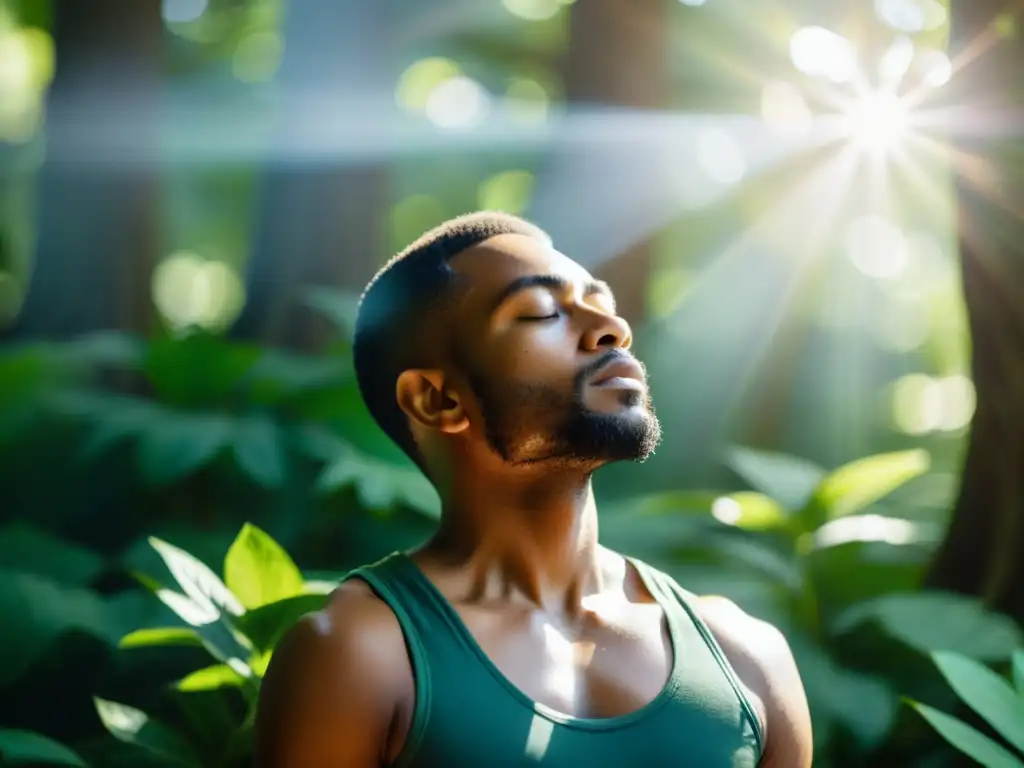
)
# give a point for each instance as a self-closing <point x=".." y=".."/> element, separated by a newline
<point x="530" y="423"/>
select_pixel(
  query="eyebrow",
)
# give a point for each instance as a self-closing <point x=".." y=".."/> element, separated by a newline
<point x="590" y="288"/>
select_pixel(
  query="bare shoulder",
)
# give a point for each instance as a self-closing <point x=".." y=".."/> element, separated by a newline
<point x="763" y="661"/>
<point x="334" y="685"/>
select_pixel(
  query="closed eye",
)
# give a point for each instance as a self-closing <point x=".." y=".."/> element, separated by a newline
<point x="539" y="318"/>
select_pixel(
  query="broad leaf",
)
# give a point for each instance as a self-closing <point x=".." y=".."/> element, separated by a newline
<point x="380" y="484"/>
<point x="264" y="626"/>
<point x="179" y="444"/>
<point x="37" y="611"/>
<point x="986" y="693"/>
<point x="1018" y="672"/>
<point x="134" y="726"/>
<point x="25" y="747"/>
<point x="161" y="636"/>
<point x="210" y="679"/>
<point x="967" y="739"/>
<point x="31" y="551"/>
<point x="199" y="370"/>
<point x="789" y="480"/>
<point x="860" y="483"/>
<point x="257" y="446"/>
<point x="258" y="570"/>
<point x="938" y="621"/>
<point x="201" y="584"/>
<point x="862" y="704"/>
<point x="750" y="510"/>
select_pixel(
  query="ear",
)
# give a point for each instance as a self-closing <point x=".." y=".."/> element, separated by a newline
<point x="422" y="394"/>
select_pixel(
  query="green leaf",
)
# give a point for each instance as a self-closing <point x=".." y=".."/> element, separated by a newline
<point x="37" y="611"/>
<point x="937" y="621"/>
<point x="179" y="444"/>
<point x="266" y="625"/>
<point x="864" y="705"/>
<point x="17" y="747"/>
<point x="160" y="636"/>
<point x="134" y="726"/>
<point x="197" y="581"/>
<point x="860" y="483"/>
<point x="1018" y="671"/>
<point x="210" y="679"/>
<point x="380" y="484"/>
<point x="257" y="446"/>
<point x="986" y="693"/>
<point x="28" y="550"/>
<point x="789" y="480"/>
<point x="258" y="570"/>
<point x="749" y="510"/>
<point x="967" y="739"/>
<point x="199" y="370"/>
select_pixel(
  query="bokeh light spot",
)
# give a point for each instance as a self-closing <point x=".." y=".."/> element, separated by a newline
<point x="189" y="291"/>
<point x="257" y="57"/>
<point x="720" y="156"/>
<point x="527" y="101"/>
<point x="459" y="102"/>
<point x="922" y="404"/>
<point x="411" y="217"/>
<point x="183" y="11"/>
<point x="821" y="53"/>
<point x="911" y="15"/>
<point x="785" y="111"/>
<point x="507" y="191"/>
<point x="936" y="67"/>
<point x="876" y="247"/>
<point x="422" y="77"/>
<point x="533" y="10"/>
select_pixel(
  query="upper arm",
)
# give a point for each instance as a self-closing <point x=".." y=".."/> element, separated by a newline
<point x="329" y="696"/>
<point x="763" y="661"/>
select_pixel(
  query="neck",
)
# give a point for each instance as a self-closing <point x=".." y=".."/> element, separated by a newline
<point x="534" y="536"/>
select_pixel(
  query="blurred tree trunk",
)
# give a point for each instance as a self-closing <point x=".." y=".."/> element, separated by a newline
<point x="983" y="553"/>
<point x="97" y="230"/>
<point x="320" y="220"/>
<point x="617" y="61"/>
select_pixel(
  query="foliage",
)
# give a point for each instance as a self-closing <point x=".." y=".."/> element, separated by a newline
<point x="237" y="621"/>
<point x="997" y="702"/>
<point x="804" y="549"/>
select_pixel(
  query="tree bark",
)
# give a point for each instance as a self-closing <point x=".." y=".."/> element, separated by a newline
<point x="320" y="215"/>
<point x="616" y="60"/>
<point x="983" y="552"/>
<point x="97" y="231"/>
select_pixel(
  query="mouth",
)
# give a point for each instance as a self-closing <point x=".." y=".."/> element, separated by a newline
<point x="622" y="373"/>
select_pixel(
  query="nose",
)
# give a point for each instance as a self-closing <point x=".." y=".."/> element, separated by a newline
<point x="606" y="331"/>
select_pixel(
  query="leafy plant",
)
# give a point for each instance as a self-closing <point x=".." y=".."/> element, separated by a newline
<point x="992" y="698"/>
<point x="805" y="549"/>
<point x="237" y="620"/>
<point x="27" y="748"/>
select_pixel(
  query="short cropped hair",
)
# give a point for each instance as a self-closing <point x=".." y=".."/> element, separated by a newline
<point x="399" y="312"/>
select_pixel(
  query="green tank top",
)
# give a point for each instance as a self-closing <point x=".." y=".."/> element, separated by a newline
<point x="469" y="715"/>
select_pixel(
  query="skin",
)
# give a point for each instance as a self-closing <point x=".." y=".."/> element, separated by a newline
<point x="566" y="620"/>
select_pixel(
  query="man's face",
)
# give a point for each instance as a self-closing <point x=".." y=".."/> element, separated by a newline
<point x="547" y="359"/>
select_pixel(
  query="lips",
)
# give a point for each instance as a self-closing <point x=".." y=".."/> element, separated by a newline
<point x="620" y="369"/>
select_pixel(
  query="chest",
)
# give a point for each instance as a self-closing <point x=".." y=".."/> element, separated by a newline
<point x="609" y="664"/>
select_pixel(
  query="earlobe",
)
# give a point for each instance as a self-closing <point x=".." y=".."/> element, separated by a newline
<point x="422" y="395"/>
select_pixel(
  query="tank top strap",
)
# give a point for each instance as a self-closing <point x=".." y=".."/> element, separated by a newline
<point x="674" y="598"/>
<point x="423" y="613"/>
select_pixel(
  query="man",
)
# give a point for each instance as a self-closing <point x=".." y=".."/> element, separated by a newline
<point x="512" y="637"/>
